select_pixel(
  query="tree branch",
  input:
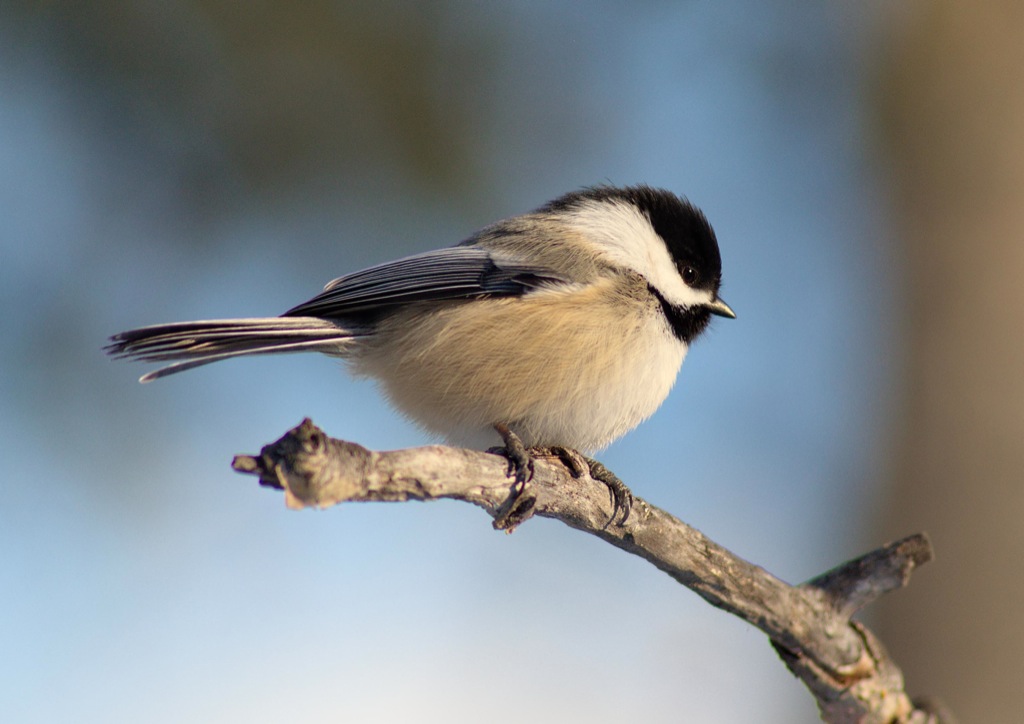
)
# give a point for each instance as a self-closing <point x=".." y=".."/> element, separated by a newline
<point x="839" y="660"/>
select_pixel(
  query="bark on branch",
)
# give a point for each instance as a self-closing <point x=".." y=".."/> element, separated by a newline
<point x="840" y="661"/>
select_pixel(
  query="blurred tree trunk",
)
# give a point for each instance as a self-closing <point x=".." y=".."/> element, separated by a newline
<point x="952" y="97"/>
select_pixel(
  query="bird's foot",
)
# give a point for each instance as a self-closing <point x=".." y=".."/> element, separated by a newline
<point x="621" y="496"/>
<point x="518" y="508"/>
<point x="520" y="461"/>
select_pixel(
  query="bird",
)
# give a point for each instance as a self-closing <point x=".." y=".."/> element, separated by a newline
<point x="558" y="329"/>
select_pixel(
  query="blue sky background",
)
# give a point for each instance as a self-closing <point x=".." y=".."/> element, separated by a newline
<point x="142" y="580"/>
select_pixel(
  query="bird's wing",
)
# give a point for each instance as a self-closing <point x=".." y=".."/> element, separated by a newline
<point x="459" y="272"/>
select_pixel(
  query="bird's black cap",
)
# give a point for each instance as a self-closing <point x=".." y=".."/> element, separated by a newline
<point x="689" y="237"/>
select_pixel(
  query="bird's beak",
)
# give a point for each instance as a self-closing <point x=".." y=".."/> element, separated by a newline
<point x="720" y="308"/>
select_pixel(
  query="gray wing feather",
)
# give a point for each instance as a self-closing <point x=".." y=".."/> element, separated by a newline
<point x="459" y="272"/>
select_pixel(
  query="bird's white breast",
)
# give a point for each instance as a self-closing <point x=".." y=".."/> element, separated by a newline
<point x="576" y="366"/>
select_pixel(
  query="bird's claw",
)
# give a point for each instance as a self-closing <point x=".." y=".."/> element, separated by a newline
<point x="519" y="506"/>
<point x="622" y="496"/>
<point x="578" y="465"/>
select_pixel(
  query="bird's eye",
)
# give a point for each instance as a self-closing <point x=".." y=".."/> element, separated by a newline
<point x="690" y="275"/>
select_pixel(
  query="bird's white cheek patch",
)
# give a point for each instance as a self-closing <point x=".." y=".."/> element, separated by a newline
<point x="628" y="240"/>
<point x="689" y="297"/>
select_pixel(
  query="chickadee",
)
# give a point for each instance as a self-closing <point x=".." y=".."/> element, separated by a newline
<point x="564" y="327"/>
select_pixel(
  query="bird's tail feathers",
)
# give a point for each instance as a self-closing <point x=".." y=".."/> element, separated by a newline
<point x="193" y="344"/>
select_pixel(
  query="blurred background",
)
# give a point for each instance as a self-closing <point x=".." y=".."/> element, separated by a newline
<point x="863" y="165"/>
